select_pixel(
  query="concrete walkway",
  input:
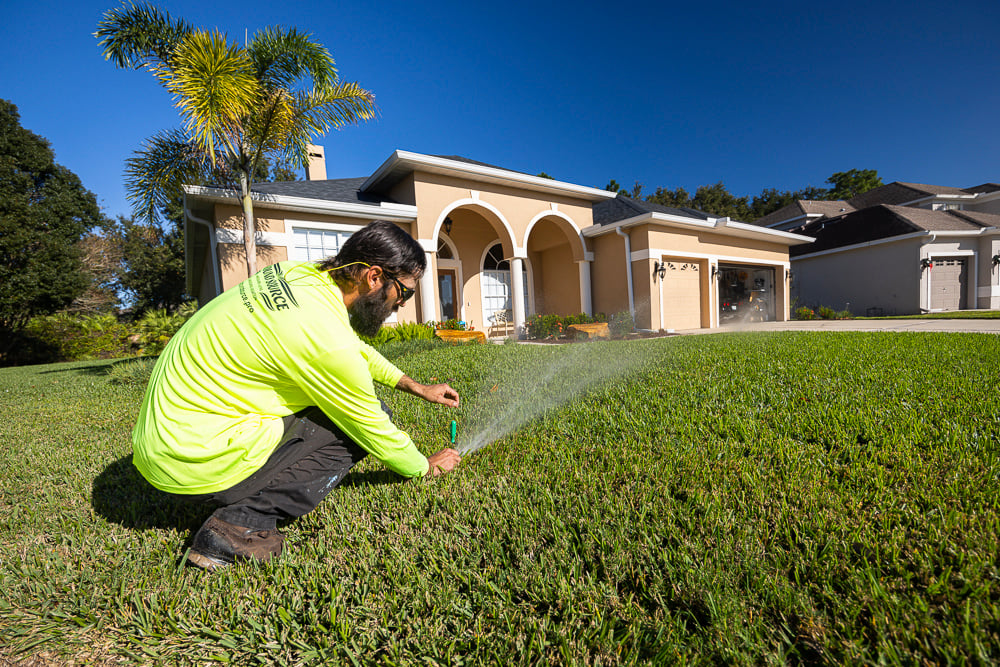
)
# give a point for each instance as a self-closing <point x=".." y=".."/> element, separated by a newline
<point x="965" y="326"/>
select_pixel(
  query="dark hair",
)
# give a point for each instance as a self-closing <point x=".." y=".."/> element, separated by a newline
<point x="382" y="244"/>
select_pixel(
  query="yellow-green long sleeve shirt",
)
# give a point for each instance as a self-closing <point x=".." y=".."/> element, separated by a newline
<point x="277" y="343"/>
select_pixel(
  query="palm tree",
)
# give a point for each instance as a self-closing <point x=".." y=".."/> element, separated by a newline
<point x="241" y="105"/>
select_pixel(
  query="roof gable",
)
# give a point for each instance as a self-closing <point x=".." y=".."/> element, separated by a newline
<point x="623" y="207"/>
<point x="885" y="221"/>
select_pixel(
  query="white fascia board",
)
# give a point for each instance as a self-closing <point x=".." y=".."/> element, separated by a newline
<point x="977" y="232"/>
<point x="718" y="225"/>
<point x="383" y="211"/>
<point x="941" y="197"/>
<point x="413" y="161"/>
<point x="807" y="216"/>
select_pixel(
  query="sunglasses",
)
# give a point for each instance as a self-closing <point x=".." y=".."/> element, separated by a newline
<point x="404" y="293"/>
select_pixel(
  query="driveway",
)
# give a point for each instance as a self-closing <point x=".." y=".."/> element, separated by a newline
<point x="965" y="326"/>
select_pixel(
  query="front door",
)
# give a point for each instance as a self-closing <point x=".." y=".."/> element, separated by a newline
<point x="448" y="289"/>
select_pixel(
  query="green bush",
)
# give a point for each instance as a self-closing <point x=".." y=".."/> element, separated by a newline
<point x="452" y="325"/>
<point x="157" y="327"/>
<point x="580" y="318"/>
<point x="539" y="327"/>
<point x="133" y="372"/>
<point x="805" y="313"/>
<point x="413" y="331"/>
<point x="621" y="323"/>
<point x="71" y="337"/>
<point x="826" y="313"/>
<point x="404" y="331"/>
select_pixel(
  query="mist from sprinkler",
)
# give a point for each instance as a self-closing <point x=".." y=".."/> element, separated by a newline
<point x="532" y="390"/>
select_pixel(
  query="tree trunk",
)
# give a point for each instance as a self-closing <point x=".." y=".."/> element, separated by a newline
<point x="249" y="228"/>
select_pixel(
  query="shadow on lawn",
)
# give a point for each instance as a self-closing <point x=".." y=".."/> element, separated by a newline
<point x="123" y="496"/>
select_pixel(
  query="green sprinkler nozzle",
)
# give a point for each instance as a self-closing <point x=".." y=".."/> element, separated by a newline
<point x="454" y="430"/>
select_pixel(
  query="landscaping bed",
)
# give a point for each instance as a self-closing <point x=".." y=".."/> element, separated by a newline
<point x="741" y="498"/>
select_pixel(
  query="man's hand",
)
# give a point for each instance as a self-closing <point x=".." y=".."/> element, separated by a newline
<point x="442" y="462"/>
<point x="435" y="393"/>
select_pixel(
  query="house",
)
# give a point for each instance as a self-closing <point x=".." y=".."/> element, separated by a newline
<point x="901" y="248"/>
<point x="502" y="245"/>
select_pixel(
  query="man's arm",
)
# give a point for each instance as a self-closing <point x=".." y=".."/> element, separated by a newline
<point x="434" y="393"/>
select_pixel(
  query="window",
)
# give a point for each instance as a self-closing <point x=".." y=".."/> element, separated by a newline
<point x="496" y="284"/>
<point x="444" y="250"/>
<point x="315" y="241"/>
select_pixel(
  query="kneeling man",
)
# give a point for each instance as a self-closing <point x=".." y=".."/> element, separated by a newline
<point x="264" y="400"/>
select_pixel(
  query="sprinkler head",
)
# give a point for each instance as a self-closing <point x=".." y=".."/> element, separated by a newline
<point x="454" y="430"/>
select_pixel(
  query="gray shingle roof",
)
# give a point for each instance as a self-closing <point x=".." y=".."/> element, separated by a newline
<point x="985" y="187"/>
<point x="901" y="193"/>
<point x="338" y="189"/>
<point x="622" y="208"/>
<point x="884" y="221"/>
<point x="802" y="207"/>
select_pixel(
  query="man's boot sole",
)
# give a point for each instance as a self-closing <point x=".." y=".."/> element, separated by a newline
<point x="206" y="562"/>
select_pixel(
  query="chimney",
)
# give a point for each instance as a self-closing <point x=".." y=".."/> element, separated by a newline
<point x="316" y="170"/>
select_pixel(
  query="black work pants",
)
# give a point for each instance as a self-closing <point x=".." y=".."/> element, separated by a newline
<point x="314" y="457"/>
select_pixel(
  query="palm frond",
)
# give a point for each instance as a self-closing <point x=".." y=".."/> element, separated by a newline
<point x="286" y="56"/>
<point x="154" y="175"/>
<point x="342" y="104"/>
<point x="214" y="87"/>
<point x="139" y="35"/>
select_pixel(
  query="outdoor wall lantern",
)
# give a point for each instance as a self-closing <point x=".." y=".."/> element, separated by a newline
<point x="996" y="260"/>
<point x="788" y="274"/>
<point x="926" y="263"/>
<point x="447" y="226"/>
<point x="715" y="270"/>
<point x="659" y="269"/>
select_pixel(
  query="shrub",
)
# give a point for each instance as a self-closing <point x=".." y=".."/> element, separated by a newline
<point x="157" y="327"/>
<point x="826" y="313"/>
<point x="540" y="326"/>
<point x="621" y="323"/>
<point x="79" y="337"/>
<point x="452" y="325"/>
<point x="413" y="331"/>
<point x="581" y="318"/>
<point x="805" y="313"/>
<point x="844" y="315"/>
<point x="135" y="372"/>
<point x="404" y="331"/>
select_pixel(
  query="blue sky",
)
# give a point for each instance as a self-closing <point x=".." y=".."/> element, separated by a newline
<point x="668" y="94"/>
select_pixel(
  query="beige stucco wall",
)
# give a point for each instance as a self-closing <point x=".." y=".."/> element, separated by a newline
<point x="607" y="274"/>
<point x="654" y="242"/>
<point x="540" y="228"/>
<point x="232" y="258"/>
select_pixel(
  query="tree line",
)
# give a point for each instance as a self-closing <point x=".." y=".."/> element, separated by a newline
<point x="717" y="200"/>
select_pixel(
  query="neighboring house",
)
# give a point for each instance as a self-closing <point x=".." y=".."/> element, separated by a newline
<point x="502" y="245"/>
<point x="901" y="248"/>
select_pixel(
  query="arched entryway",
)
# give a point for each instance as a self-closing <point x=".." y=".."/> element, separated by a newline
<point x="559" y="266"/>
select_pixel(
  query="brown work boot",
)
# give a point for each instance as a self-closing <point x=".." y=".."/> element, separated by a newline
<point x="219" y="544"/>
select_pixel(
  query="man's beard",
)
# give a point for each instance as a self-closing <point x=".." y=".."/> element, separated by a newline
<point x="369" y="311"/>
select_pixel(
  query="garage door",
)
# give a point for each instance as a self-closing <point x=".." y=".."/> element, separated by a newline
<point x="949" y="278"/>
<point x="681" y="295"/>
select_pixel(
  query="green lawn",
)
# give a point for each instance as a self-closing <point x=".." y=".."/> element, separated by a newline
<point x="752" y="498"/>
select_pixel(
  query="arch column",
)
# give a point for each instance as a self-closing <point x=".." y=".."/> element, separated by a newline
<point x="586" y="296"/>
<point x="428" y="299"/>
<point x="517" y="287"/>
